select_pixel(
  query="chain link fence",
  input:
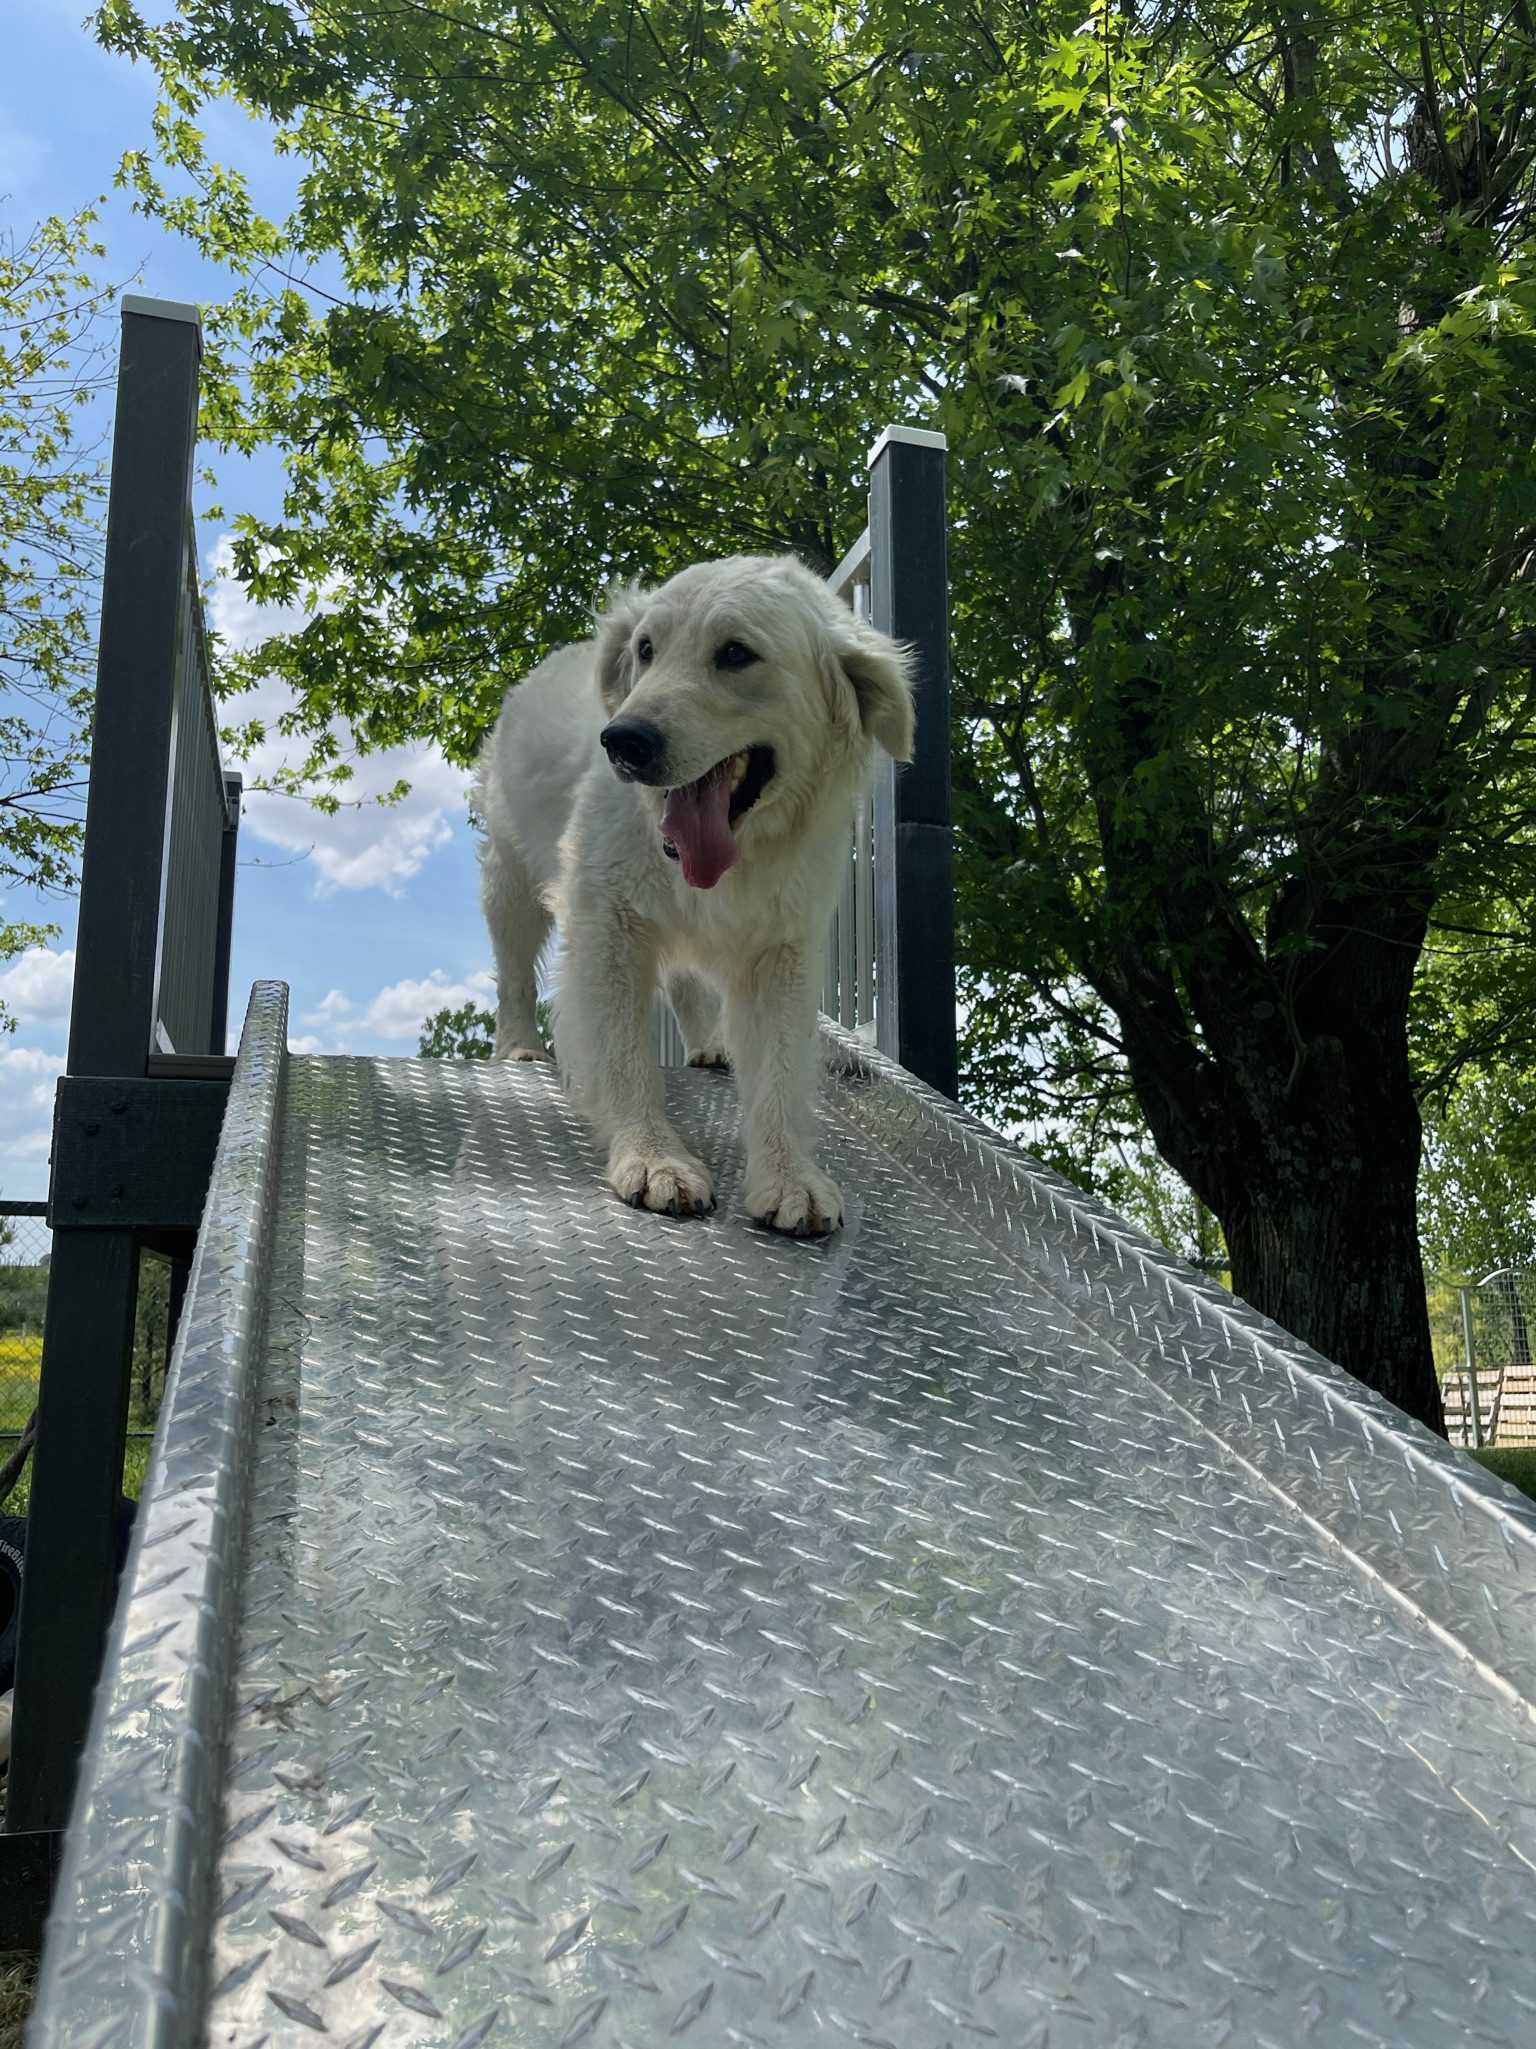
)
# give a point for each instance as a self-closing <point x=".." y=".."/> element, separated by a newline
<point x="1484" y="1332"/>
<point x="25" y="1241"/>
<point x="24" y="1238"/>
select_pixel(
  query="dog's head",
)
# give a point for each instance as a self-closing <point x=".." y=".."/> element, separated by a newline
<point x="740" y="693"/>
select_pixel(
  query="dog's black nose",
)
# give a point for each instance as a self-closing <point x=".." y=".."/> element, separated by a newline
<point x="634" y="746"/>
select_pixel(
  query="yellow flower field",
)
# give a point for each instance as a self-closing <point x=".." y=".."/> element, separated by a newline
<point x="21" y="1354"/>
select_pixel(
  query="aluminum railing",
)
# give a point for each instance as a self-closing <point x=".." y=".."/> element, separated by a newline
<point x="848" y="986"/>
<point x="197" y="879"/>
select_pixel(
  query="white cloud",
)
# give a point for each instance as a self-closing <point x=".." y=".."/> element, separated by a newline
<point x="29" y="1067"/>
<point x="35" y="988"/>
<point x="365" y="845"/>
<point x="27" y="1077"/>
<point x="398" y="1011"/>
<point x="332" y="1007"/>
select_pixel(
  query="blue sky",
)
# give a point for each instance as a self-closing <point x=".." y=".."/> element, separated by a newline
<point x="370" y="917"/>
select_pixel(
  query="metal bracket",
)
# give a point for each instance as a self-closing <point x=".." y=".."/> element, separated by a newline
<point x="131" y="1155"/>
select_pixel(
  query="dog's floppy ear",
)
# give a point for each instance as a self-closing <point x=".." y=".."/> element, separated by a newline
<point x="615" y="624"/>
<point x="881" y="672"/>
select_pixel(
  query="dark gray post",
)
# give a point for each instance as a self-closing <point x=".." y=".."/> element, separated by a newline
<point x="914" y="864"/>
<point x="112" y="1018"/>
<point x="228" y="847"/>
<point x="72" y="1525"/>
<point x="82" y="1411"/>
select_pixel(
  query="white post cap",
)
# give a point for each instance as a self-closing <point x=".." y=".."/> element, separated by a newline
<point x="163" y="309"/>
<point x="918" y="437"/>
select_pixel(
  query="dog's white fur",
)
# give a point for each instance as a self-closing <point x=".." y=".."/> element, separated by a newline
<point x="740" y="961"/>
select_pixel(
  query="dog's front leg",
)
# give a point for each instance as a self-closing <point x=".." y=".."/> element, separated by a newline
<point x="771" y="1037"/>
<point x="603" y="1044"/>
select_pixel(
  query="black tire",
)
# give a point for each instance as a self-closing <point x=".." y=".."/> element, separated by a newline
<point x="13" y="1545"/>
<point x="13" y="1552"/>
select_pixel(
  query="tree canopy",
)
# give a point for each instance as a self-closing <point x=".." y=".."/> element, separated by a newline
<point x="468" y="1033"/>
<point x="1479" y="1181"/>
<point x="52" y="497"/>
<point x="1227" y="312"/>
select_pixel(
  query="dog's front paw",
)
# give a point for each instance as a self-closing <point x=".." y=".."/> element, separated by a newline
<point x="674" y="1183"/>
<point x="521" y="1053"/>
<point x="709" y="1056"/>
<point x="798" y="1198"/>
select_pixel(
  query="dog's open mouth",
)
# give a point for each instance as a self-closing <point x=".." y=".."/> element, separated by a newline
<point x="697" y="819"/>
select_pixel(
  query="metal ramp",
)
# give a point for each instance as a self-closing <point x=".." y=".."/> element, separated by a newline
<point x="551" y="1624"/>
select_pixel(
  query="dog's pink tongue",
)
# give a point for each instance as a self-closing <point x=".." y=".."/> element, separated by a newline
<point x="697" y="820"/>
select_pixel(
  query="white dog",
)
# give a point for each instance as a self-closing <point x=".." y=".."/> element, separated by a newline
<point x="680" y="791"/>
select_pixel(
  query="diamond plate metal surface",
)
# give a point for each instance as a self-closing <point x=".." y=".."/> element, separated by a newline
<point x="127" y="1951"/>
<point x="972" y="1628"/>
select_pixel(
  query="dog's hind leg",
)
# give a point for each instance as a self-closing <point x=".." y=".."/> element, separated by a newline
<point x="700" y="1018"/>
<point x="519" y="924"/>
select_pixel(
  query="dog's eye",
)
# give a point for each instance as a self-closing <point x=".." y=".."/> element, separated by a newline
<point x="643" y="647"/>
<point x="735" y="654"/>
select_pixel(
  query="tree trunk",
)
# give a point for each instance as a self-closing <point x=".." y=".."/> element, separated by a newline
<point x="1313" y="1173"/>
<point x="1301" y="1133"/>
<point x="1328" y="1247"/>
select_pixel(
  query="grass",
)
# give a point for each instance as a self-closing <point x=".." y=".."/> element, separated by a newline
<point x="1513" y="1462"/>
<point x="18" y="1978"/>
<point x="135" y="1466"/>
